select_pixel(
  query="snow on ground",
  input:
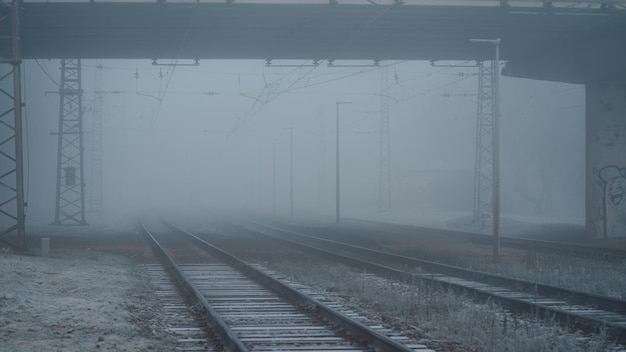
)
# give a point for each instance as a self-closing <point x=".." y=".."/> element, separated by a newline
<point x="81" y="298"/>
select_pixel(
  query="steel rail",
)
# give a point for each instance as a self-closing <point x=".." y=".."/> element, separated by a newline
<point x="227" y="337"/>
<point x="612" y="305"/>
<point x="351" y="326"/>
<point x="515" y="242"/>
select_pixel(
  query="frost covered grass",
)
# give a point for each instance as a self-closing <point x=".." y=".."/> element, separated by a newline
<point x="593" y="275"/>
<point x="430" y="312"/>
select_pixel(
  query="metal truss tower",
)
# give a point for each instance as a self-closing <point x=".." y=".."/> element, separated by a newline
<point x="384" y="174"/>
<point x="95" y="189"/>
<point x="12" y="212"/>
<point x="70" y="192"/>
<point x="483" y="181"/>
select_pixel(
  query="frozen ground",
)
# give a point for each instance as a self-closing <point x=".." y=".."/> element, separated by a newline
<point x="81" y="298"/>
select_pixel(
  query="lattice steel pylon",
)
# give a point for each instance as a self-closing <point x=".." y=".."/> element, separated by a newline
<point x="384" y="173"/>
<point x="12" y="212"/>
<point x="483" y="181"/>
<point x="95" y="187"/>
<point x="70" y="190"/>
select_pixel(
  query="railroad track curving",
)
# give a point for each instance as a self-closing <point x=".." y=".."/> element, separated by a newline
<point x="576" y="309"/>
<point x="248" y="309"/>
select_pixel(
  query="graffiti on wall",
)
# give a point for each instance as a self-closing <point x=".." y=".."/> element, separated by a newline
<point x="613" y="180"/>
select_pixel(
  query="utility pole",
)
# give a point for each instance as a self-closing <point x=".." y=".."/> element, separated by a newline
<point x="483" y="177"/>
<point x="12" y="203"/>
<point x="70" y="190"/>
<point x="260" y="182"/>
<point x="95" y="189"/>
<point x="338" y="174"/>
<point x="384" y="174"/>
<point x="495" y="147"/>
<point x="496" y="160"/>
<point x="291" y="172"/>
<point x="274" y="177"/>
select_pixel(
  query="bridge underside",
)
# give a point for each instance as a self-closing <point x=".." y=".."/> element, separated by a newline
<point x="584" y="46"/>
<point x="532" y="38"/>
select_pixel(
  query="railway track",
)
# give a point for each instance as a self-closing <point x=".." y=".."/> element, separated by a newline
<point x="543" y="246"/>
<point x="247" y="309"/>
<point x="532" y="245"/>
<point x="573" y="308"/>
<point x="188" y="331"/>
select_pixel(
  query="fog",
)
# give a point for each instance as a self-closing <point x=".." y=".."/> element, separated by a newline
<point x="217" y="135"/>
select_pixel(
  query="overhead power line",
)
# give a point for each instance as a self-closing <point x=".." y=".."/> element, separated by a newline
<point x="47" y="73"/>
<point x="427" y="91"/>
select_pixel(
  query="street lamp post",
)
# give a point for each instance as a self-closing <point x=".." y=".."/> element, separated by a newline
<point x="496" y="150"/>
<point x="274" y="178"/>
<point x="291" y="172"/>
<point x="337" y="190"/>
<point x="259" y="181"/>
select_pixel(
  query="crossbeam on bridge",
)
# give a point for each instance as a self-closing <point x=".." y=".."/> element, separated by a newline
<point x="218" y="30"/>
<point x="532" y="32"/>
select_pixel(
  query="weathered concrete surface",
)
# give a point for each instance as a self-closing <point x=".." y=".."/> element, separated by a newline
<point x="606" y="159"/>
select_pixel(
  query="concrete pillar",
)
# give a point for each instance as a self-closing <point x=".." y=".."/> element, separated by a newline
<point x="606" y="159"/>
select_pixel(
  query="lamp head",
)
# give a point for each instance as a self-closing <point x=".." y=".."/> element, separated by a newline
<point x="492" y="41"/>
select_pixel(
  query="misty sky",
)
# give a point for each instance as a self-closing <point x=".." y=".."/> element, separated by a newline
<point x="181" y="136"/>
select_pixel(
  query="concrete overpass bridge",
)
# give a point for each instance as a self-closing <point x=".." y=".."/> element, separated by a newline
<point x="571" y="41"/>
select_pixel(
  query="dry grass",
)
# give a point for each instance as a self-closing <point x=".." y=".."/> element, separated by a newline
<point x="592" y="275"/>
<point x="595" y="275"/>
<point x="432" y="313"/>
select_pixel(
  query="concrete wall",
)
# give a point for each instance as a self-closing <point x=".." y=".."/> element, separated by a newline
<point x="606" y="159"/>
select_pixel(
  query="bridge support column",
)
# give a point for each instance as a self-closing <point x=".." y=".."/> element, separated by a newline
<point x="606" y="159"/>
